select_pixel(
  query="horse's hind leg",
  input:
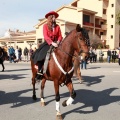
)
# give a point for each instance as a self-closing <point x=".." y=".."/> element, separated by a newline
<point x="72" y="95"/>
<point x="79" y="75"/>
<point x="3" y="67"/>
<point x="42" y="92"/>
<point x="34" y="92"/>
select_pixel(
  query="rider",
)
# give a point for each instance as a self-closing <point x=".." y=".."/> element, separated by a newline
<point x="52" y="36"/>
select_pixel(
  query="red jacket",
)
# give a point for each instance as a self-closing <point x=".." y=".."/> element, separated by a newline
<point x="50" y="36"/>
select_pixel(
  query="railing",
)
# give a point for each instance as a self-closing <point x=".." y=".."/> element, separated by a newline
<point x="88" y="24"/>
<point x="96" y="25"/>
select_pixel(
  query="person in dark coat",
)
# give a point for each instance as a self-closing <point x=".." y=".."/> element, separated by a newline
<point x="52" y="36"/>
<point x="114" y="54"/>
<point x="26" y="52"/>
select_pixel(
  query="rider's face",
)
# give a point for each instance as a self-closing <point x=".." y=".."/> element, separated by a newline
<point x="51" y="18"/>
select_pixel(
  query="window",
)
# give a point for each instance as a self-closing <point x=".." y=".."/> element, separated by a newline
<point x="111" y="26"/>
<point x="86" y="18"/>
<point x="112" y="16"/>
<point x="111" y="36"/>
<point x="101" y="33"/>
<point x="104" y="11"/>
<point x="112" y="5"/>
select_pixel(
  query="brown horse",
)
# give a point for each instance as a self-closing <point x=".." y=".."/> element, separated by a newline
<point x="3" y="56"/>
<point x="77" y="72"/>
<point x="60" y="67"/>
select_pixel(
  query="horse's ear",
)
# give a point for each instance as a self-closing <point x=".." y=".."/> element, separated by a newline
<point x="78" y="28"/>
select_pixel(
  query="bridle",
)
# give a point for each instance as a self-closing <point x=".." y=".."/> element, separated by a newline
<point x="81" y="51"/>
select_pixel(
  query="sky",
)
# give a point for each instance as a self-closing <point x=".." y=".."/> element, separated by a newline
<point x="24" y="14"/>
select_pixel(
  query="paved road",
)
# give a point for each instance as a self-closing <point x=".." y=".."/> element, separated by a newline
<point x="98" y="98"/>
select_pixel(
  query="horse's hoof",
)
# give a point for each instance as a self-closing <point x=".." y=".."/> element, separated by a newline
<point x="59" y="117"/>
<point x="2" y="71"/>
<point x="34" y="97"/>
<point x="42" y="104"/>
<point x="80" y="81"/>
<point x="64" y="103"/>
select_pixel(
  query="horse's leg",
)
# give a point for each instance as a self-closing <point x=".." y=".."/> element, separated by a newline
<point x="34" y="92"/>
<point x="57" y="97"/>
<point x="72" y="95"/>
<point x="79" y="75"/>
<point x="42" y="92"/>
<point x="3" y="67"/>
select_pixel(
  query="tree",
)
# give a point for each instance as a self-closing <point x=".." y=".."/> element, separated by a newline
<point x="95" y="41"/>
<point x="118" y="18"/>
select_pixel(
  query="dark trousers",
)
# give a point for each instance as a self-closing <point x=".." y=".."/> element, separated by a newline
<point x="40" y="65"/>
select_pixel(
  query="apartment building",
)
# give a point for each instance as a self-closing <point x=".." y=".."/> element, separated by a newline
<point x="97" y="16"/>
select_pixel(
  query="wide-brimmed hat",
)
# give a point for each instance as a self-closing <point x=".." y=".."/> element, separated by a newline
<point x="52" y="13"/>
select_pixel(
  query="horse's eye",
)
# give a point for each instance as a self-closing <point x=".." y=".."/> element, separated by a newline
<point x="81" y="39"/>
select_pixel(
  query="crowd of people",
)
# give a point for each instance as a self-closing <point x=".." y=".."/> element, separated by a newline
<point x="17" y="54"/>
<point x="112" y="56"/>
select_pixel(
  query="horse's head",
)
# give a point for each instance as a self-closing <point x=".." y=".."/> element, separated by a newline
<point x="82" y="42"/>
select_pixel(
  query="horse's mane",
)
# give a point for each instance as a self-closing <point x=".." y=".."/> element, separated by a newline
<point x="84" y="33"/>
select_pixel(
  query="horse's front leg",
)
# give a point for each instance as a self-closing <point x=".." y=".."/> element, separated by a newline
<point x="57" y="97"/>
<point x="72" y="95"/>
<point x="42" y="92"/>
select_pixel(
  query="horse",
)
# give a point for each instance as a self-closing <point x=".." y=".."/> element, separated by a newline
<point x="60" y="67"/>
<point x="77" y="72"/>
<point x="3" y="56"/>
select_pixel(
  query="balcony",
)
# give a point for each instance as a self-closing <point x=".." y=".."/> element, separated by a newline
<point x="97" y="25"/>
<point x="104" y="27"/>
<point x="103" y="37"/>
<point x="88" y="24"/>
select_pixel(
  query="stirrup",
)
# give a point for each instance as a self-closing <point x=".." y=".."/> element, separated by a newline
<point x="39" y="73"/>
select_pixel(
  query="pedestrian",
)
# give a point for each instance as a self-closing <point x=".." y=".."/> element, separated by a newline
<point x="19" y="54"/>
<point x="26" y="52"/>
<point x="91" y="54"/>
<point x="94" y="55"/>
<point x="119" y="57"/>
<point x="83" y="63"/>
<point x="11" y="51"/>
<point x="109" y="55"/>
<point x="101" y="54"/>
<point x="16" y="54"/>
<point x="114" y="55"/>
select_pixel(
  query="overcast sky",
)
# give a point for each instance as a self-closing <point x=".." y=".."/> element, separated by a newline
<point x="24" y="14"/>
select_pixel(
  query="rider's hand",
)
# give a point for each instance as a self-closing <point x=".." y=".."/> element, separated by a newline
<point x="54" y="44"/>
<point x="58" y="42"/>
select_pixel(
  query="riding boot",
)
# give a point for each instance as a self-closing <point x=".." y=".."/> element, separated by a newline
<point x="39" y="75"/>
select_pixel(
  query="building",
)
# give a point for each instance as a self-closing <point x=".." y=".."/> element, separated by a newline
<point x="18" y="38"/>
<point x="97" y="16"/>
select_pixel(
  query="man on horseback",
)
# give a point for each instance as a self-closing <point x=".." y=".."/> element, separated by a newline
<point x="52" y="36"/>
